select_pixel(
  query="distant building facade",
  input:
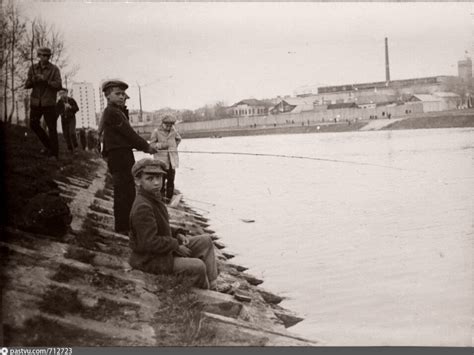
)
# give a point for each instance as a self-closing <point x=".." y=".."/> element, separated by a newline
<point x="250" y="107"/>
<point x="84" y="95"/>
<point x="381" y="91"/>
<point x="294" y="105"/>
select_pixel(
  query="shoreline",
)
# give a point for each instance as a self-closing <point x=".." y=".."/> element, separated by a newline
<point x="80" y="283"/>
<point x="447" y="119"/>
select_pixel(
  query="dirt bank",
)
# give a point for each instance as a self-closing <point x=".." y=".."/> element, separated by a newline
<point x="315" y="128"/>
<point x="80" y="284"/>
<point x="435" y="121"/>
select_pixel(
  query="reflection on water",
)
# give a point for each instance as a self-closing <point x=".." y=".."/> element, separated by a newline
<point x="369" y="255"/>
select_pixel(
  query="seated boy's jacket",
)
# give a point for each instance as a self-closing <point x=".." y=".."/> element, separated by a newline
<point x="151" y="238"/>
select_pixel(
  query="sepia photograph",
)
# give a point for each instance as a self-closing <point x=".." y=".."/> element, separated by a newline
<point x="236" y="174"/>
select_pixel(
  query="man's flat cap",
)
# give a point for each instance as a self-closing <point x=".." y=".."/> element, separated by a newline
<point x="147" y="165"/>
<point x="168" y="119"/>
<point x="44" y="50"/>
<point x="114" y="83"/>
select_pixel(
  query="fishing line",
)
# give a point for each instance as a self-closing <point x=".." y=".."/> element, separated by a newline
<point x="199" y="201"/>
<point x="293" y="157"/>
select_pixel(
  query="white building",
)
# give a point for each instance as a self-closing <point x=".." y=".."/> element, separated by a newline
<point x="84" y="95"/>
<point x="101" y="100"/>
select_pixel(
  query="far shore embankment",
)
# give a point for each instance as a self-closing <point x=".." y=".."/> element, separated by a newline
<point x="446" y="119"/>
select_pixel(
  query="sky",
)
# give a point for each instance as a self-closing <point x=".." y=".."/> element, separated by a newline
<point x="187" y="55"/>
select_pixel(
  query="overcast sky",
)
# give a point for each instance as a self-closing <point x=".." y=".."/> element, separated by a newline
<point x="186" y="55"/>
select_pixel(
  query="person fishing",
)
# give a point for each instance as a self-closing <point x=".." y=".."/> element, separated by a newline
<point x="166" y="139"/>
<point x="44" y="78"/>
<point x="100" y="130"/>
<point x="119" y="141"/>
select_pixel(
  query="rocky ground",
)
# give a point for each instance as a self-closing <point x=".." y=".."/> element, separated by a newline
<point x="77" y="289"/>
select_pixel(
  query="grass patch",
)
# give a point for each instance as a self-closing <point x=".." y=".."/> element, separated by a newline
<point x="178" y="320"/>
<point x="106" y="309"/>
<point x="111" y="283"/>
<point x="438" y="121"/>
<point x="40" y="331"/>
<point x="104" y="282"/>
<point x="60" y="301"/>
<point x="79" y="254"/>
<point x="66" y="273"/>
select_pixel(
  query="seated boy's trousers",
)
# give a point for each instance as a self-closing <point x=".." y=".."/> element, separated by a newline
<point x="201" y="265"/>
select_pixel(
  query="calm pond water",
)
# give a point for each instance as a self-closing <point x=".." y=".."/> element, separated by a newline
<point x="368" y="255"/>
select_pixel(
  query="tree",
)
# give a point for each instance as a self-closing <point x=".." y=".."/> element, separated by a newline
<point x="19" y="41"/>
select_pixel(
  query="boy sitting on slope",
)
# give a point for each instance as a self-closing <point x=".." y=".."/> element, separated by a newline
<point x="158" y="249"/>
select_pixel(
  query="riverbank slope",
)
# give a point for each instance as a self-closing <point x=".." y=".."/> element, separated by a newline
<point x="79" y="282"/>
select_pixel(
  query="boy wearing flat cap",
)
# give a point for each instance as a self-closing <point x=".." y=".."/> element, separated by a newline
<point x="119" y="141"/>
<point x="45" y="80"/>
<point x="156" y="247"/>
<point x="166" y="139"/>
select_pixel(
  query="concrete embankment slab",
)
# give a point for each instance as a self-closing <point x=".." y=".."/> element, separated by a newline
<point x="81" y="282"/>
<point x="232" y="332"/>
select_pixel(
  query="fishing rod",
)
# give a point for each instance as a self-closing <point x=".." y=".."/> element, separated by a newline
<point x="291" y="157"/>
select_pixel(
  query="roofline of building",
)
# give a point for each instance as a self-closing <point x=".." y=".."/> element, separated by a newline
<point x="376" y="84"/>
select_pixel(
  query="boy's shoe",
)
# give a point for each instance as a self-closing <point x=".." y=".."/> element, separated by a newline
<point x="222" y="287"/>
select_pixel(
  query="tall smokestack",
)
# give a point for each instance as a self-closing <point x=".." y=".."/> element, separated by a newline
<point x="387" y="64"/>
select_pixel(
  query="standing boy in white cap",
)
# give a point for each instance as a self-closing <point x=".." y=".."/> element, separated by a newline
<point x="166" y="139"/>
<point x="156" y="247"/>
<point x="45" y="80"/>
<point x="119" y="141"/>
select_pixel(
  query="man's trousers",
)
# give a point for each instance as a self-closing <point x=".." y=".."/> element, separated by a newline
<point x="50" y="140"/>
<point x="69" y="131"/>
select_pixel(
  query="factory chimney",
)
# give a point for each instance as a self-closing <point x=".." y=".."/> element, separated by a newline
<point x="387" y="64"/>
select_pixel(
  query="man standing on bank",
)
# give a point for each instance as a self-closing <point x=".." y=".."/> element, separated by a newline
<point x="156" y="247"/>
<point x="45" y="80"/>
<point x="119" y="141"/>
<point x="67" y="108"/>
<point x="166" y="139"/>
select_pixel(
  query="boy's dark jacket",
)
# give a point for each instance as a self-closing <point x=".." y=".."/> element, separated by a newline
<point x="151" y="238"/>
<point x="61" y="108"/>
<point x="118" y="133"/>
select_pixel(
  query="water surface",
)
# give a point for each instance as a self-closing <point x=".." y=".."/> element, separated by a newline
<point x="368" y="255"/>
